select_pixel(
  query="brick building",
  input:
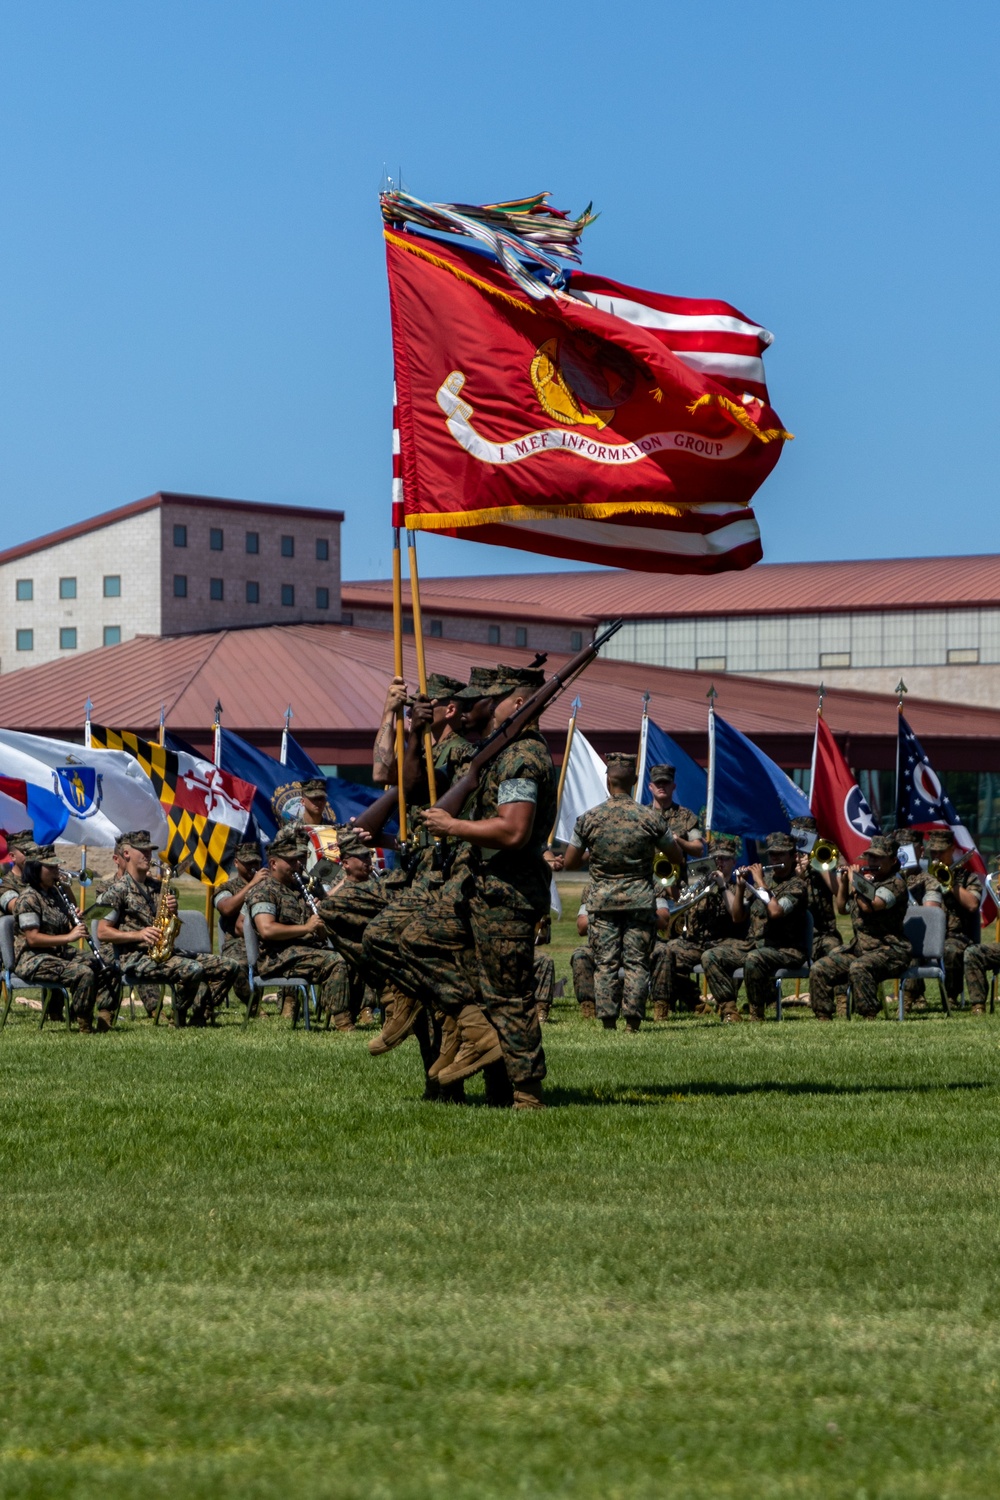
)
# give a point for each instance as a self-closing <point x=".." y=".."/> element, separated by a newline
<point x="167" y="565"/>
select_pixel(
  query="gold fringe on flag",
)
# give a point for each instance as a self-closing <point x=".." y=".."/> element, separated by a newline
<point x="402" y="243"/>
<point x="734" y="410"/>
<point x="452" y="520"/>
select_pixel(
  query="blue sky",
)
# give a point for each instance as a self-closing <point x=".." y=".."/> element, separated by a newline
<point x="193" y="282"/>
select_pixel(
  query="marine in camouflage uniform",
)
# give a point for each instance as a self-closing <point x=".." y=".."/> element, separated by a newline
<point x="622" y="838"/>
<point x="707" y="924"/>
<point x="302" y="950"/>
<point x="963" y="925"/>
<point x="230" y="900"/>
<point x="776" y="940"/>
<point x="505" y="893"/>
<point x="981" y="959"/>
<point x="581" y="963"/>
<point x="826" y="934"/>
<point x="877" y="904"/>
<point x="133" y="900"/>
<point x="12" y="883"/>
<point x="354" y="899"/>
<point x="37" y="911"/>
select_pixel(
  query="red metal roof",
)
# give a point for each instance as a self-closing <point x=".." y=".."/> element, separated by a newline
<point x="335" y="678"/>
<point x="151" y="502"/>
<point x="767" y="588"/>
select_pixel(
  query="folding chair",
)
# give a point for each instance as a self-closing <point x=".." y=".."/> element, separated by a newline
<point x="306" y="991"/>
<point x="925" y="928"/>
<point x="802" y="973"/>
<point x="11" y="982"/>
<point x="162" y="980"/>
<point x="193" y="938"/>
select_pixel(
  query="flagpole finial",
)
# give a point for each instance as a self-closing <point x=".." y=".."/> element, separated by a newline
<point x="218" y="710"/>
<point x="645" y="700"/>
<point x="901" y="688"/>
<point x="711" y="695"/>
<point x="289" y="715"/>
<point x="87" y="707"/>
<point x="577" y="704"/>
<point x="821" y="694"/>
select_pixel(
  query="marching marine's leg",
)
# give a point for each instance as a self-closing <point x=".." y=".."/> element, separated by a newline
<point x="505" y="939"/>
<point x="605" y="935"/>
<point x="581" y="963"/>
<point x="637" y="939"/>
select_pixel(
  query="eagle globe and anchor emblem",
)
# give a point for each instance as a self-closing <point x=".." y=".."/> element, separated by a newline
<point x="581" y="380"/>
<point x="80" y="787"/>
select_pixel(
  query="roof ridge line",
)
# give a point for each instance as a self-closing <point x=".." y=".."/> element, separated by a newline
<point x="214" y="641"/>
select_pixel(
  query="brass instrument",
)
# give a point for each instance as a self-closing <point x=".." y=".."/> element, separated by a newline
<point x="697" y="892"/>
<point x="825" y="855"/>
<point x="665" y="872"/>
<point x="167" y="924"/>
<point x="945" y="874"/>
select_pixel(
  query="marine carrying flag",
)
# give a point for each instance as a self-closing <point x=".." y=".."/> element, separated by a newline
<point x="593" y="420"/>
<point x="206" y="809"/>
<point x="838" y="804"/>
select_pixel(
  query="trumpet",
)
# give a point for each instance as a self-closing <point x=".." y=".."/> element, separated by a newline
<point x="825" y="855"/>
<point x="945" y="874"/>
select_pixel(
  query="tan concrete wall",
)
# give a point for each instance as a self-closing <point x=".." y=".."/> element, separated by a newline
<point x="129" y="548"/>
<point x="979" y="685"/>
<point x="235" y="566"/>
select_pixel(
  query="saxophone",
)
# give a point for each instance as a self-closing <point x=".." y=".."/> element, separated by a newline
<point x="167" y="924"/>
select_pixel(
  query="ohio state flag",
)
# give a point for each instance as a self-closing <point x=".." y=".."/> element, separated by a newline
<point x="838" y="804"/>
<point x="601" y="423"/>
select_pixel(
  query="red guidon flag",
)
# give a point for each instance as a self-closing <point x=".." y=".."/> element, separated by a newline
<point x="838" y="804"/>
<point x="600" y="423"/>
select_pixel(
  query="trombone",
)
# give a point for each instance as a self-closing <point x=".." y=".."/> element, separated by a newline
<point x="825" y="855"/>
<point x="945" y="874"/>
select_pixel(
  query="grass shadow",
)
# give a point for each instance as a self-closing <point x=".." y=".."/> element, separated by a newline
<point x="645" y="1095"/>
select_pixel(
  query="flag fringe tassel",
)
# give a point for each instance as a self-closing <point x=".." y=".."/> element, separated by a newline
<point x="446" y="265"/>
<point x="739" y="416"/>
<point x="451" y="520"/>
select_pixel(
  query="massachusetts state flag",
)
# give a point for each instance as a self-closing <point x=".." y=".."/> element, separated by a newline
<point x="24" y="806"/>
<point x="596" y="421"/>
<point x="838" y="803"/>
<point x="922" y="802"/>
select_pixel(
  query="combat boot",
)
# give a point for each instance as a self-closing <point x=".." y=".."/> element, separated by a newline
<point x="400" y="1020"/>
<point x="451" y="1040"/>
<point x="588" y="1010"/>
<point x="342" y="1021"/>
<point x="753" y="1014"/>
<point x="661" y="1010"/>
<point x="366" y="1020"/>
<point x="542" y="1012"/>
<point x="104" y="1020"/>
<point x="480" y="1046"/>
<point x="528" y="1095"/>
<point x="610" y="1023"/>
<point x="288" y="1008"/>
<point x="633" y="1025"/>
<point x="84" y="1025"/>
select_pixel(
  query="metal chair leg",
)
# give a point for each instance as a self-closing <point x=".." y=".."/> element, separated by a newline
<point x="8" y="1002"/>
<point x="778" y="1017"/>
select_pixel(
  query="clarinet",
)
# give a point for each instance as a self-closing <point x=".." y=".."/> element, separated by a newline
<point x="74" y="914"/>
<point x="309" y="899"/>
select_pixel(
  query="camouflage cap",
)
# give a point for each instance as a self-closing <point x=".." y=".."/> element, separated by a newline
<point x="351" y="844"/>
<point x="780" y="843"/>
<point x="481" y="680"/>
<point x="662" y="773"/>
<point x="314" y="788"/>
<point x="138" y="839"/>
<point x="724" y="845"/>
<point x="909" y="835"/>
<point x="619" y="760"/>
<point x="883" y="846"/>
<point x="807" y="825"/>
<point x="939" y="840"/>
<point x="42" y="854"/>
<point x="247" y="853"/>
<point x="516" y="679"/>
<point x="442" y="688"/>
<point x="22" y="840"/>
<point x="288" y="843"/>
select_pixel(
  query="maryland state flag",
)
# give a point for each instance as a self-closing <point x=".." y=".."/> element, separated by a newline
<point x="207" y="810"/>
<point x="552" y="410"/>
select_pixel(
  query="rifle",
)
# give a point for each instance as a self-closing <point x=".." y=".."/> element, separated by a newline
<point x="374" y="817"/>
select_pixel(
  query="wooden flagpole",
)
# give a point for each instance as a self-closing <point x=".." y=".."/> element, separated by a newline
<point x="210" y="890"/>
<point x="418" y="637"/>
<point x="397" y="667"/>
<point x="640" y="760"/>
<point x="576" y="705"/>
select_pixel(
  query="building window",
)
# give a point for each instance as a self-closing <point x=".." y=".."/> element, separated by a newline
<point x="180" y="586"/>
<point x="288" y="593"/>
<point x="25" y="589"/>
<point x="180" y="536"/>
<point x="437" y="627"/>
<point x="67" y="588"/>
<point x="112" y="635"/>
<point x="322" y="549"/>
<point x="576" y="640"/>
<point x="215" y="588"/>
<point x="963" y="656"/>
<point x="322" y="598"/>
<point x="215" y="539"/>
<point x="112" y="586"/>
<point x="288" y="546"/>
<point x="253" y="593"/>
<point x="407" y="624"/>
<point x="710" y="663"/>
<point x="25" y="640"/>
<point x="347" y="619"/>
<point x="253" y="542"/>
<point x="67" y="638"/>
<point x="835" y="658"/>
<point x="520" y="636"/>
<point x="493" y="635"/>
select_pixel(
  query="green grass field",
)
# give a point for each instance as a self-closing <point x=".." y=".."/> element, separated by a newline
<point x="729" y="1261"/>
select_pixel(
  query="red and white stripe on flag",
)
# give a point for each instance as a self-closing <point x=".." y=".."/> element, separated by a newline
<point x="837" y="803"/>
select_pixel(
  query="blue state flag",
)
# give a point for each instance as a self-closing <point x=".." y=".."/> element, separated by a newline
<point x="748" y="794"/>
<point x="691" y="789"/>
<point x="347" y="799"/>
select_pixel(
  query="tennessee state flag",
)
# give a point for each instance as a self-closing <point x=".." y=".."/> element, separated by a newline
<point x="838" y="804"/>
<point x="601" y="423"/>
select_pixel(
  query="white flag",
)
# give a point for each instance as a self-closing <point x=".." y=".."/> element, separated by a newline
<point x="106" y="792"/>
<point x="585" y="785"/>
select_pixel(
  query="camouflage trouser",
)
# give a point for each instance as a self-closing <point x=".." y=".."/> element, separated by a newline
<point x="759" y="967"/>
<point x="863" y="970"/>
<point x="581" y="963"/>
<point x="184" y="975"/>
<point x="79" y="972"/>
<point x="954" y="971"/>
<point x="980" y="959"/>
<point x="317" y="966"/>
<point x="505" y="953"/>
<point x="220" y="974"/>
<point x="824" y="943"/>
<point x="234" y="951"/>
<point x="621" y="940"/>
<point x="545" y="979"/>
<point x="672" y="982"/>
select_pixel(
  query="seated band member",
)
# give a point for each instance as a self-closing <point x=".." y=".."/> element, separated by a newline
<point x="982" y="959"/>
<point x="961" y="900"/>
<point x="778" y="910"/>
<point x="545" y="971"/>
<point x="707" y="923"/>
<point x="356" y="896"/>
<point x="293" y="940"/>
<point x="44" y="937"/>
<point x="133" y="899"/>
<point x="230" y="899"/>
<point x="874" y="893"/>
<point x="12" y="883"/>
<point x="581" y="963"/>
<point x="821" y="885"/>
